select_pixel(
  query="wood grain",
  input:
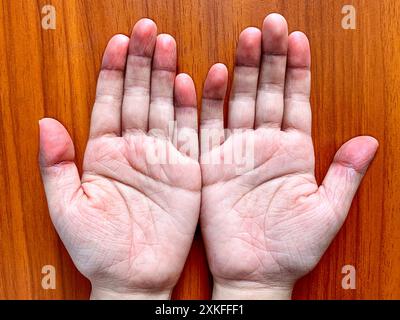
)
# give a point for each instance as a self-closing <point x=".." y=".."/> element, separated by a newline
<point x="53" y="73"/>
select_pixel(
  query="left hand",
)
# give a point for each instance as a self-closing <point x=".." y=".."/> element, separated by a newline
<point x="128" y="223"/>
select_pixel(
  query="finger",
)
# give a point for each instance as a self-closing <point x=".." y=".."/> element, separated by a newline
<point x="59" y="173"/>
<point x="106" y="114"/>
<point x="269" y="105"/>
<point x="212" y="110"/>
<point x="297" y="114"/>
<point x="161" y="114"/>
<point x="345" y="173"/>
<point x="186" y="116"/>
<point x="244" y="87"/>
<point x="135" y="107"/>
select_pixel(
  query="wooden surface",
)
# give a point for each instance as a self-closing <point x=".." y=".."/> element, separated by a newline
<point x="356" y="90"/>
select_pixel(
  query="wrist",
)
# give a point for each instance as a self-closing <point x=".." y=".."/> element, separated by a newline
<point x="106" y="294"/>
<point x="249" y="291"/>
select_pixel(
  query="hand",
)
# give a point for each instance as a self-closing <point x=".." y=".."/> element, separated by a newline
<point x="267" y="228"/>
<point x="129" y="222"/>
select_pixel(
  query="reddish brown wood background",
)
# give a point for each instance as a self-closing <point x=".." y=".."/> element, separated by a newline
<point x="356" y="90"/>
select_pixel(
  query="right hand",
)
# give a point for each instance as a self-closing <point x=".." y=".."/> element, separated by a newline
<point x="266" y="228"/>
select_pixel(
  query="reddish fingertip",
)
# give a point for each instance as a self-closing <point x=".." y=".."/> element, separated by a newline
<point x="165" y="45"/>
<point x="276" y="21"/>
<point x="275" y="25"/>
<point x="275" y="34"/>
<point x="357" y="153"/>
<point x="216" y="82"/>
<point x="184" y="78"/>
<point x="55" y="143"/>
<point x="115" y="54"/>
<point x="252" y="33"/>
<point x="299" y="55"/>
<point x="144" y="27"/>
<point x="218" y="74"/>
<point x="143" y="38"/>
<point x="249" y="47"/>
<point x="185" y="92"/>
<point x="166" y="40"/>
<point x="165" y="53"/>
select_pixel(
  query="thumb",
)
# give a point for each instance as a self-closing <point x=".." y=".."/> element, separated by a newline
<point x="346" y="172"/>
<point x="56" y="159"/>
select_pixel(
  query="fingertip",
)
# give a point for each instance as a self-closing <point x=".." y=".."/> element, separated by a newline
<point x="218" y="75"/>
<point x="165" y="45"/>
<point x="373" y="141"/>
<point x="216" y="82"/>
<point x="275" y="34"/>
<point x="55" y="143"/>
<point x="249" y="47"/>
<point x="276" y="21"/>
<point x="50" y="124"/>
<point x="120" y="43"/>
<point x="166" y="40"/>
<point x="220" y="67"/>
<point x="165" y="53"/>
<point x="144" y="28"/>
<point x="250" y="35"/>
<point x="143" y="38"/>
<point x="184" y="80"/>
<point x="367" y="143"/>
<point x="299" y="55"/>
<point x="115" y="53"/>
<point x="357" y="153"/>
<point x="185" y="92"/>
<point x="120" y="38"/>
<point x="183" y="77"/>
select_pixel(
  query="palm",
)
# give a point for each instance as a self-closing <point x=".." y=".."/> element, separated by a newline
<point x="265" y="220"/>
<point x="139" y="213"/>
<point x="259" y="224"/>
<point x="129" y="221"/>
